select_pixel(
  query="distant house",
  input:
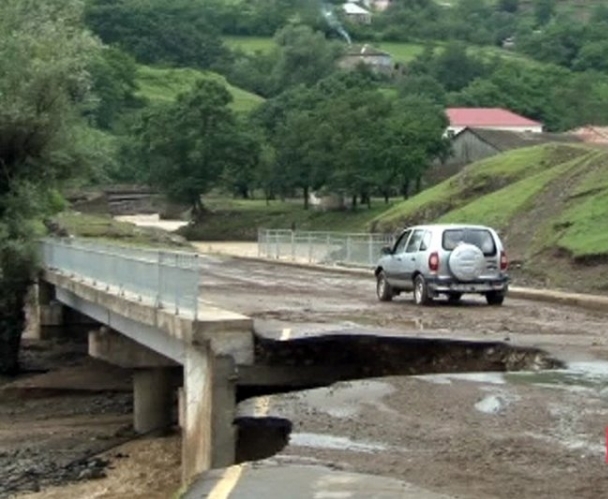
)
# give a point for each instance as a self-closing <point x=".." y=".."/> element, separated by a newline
<point x="591" y="134"/>
<point x="489" y="119"/>
<point x="357" y="14"/>
<point x="375" y="59"/>
<point x="475" y="144"/>
<point x="378" y="5"/>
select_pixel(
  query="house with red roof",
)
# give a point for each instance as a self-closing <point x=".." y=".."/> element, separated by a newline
<point x="489" y="118"/>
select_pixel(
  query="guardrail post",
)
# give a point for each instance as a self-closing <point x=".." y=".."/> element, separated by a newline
<point x="176" y="287"/>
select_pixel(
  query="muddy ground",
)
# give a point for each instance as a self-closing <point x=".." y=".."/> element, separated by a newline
<point x="41" y="436"/>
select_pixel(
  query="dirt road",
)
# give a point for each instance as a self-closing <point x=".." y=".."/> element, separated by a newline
<point x="271" y="292"/>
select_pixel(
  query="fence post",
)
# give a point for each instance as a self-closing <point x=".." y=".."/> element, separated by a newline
<point x="260" y="243"/>
<point x="348" y="253"/>
<point x="176" y="294"/>
<point x="310" y="247"/>
<point x="197" y="270"/>
<point x="276" y="246"/>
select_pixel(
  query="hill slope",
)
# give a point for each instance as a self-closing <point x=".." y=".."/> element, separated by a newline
<point x="164" y="84"/>
<point x="550" y="203"/>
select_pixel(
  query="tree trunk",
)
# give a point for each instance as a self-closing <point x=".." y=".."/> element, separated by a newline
<point x="12" y="325"/>
<point x="405" y="188"/>
<point x="354" y="205"/>
<point x="386" y="197"/>
<point x="418" y="183"/>
<point x="306" y="197"/>
<point x="197" y="209"/>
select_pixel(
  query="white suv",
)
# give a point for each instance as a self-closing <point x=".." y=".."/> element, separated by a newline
<point x="450" y="260"/>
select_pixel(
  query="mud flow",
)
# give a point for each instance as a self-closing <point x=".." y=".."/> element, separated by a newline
<point x="313" y="362"/>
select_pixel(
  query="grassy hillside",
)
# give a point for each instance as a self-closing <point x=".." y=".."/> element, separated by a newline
<point x="164" y="84"/>
<point x="400" y="51"/>
<point x="550" y="203"/>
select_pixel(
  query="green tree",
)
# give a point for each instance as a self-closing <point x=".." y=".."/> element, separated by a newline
<point x="113" y="74"/>
<point x="544" y="10"/>
<point x="187" y="146"/>
<point x="156" y="31"/>
<point x="592" y="56"/>
<point x="511" y="6"/>
<point x="304" y="57"/>
<point x="44" y="86"/>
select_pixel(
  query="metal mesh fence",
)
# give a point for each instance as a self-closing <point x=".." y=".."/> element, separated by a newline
<point x="164" y="279"/>
<point x="330" y="248"/>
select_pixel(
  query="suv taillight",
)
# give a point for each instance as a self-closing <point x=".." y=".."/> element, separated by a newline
<point x="504" y="262"/>
<point x="433" y="262"/>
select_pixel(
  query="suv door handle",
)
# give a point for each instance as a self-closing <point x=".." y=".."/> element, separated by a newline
<point x="413" y="259"/>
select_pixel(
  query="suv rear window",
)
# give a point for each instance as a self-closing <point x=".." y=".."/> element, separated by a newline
<point x="481" y="238"/>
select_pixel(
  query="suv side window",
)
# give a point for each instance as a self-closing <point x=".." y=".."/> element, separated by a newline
<point x="414" y="243"/>
<point x="400" y="244"/>
<point x="426" y="241"/>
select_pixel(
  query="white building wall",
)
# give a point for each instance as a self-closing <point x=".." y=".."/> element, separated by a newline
<point x="455" y="130"/>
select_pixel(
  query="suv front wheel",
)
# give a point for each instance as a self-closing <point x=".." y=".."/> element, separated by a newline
<point x="421" y="291"/>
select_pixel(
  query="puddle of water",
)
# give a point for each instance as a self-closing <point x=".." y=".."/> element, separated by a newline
<point x="320" y="441"/>
<point x="345" y="400"/>
<point x="446" y="379"/>
<point x="576" y="377"/>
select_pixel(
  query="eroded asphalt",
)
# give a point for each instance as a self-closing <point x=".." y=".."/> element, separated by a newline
<point x="479" y="436"/>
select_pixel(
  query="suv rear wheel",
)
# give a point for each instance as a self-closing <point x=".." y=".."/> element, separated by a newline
<point x="383" y="288"/>
<point x="421" y="291"/>
<point x="495" y="298"/>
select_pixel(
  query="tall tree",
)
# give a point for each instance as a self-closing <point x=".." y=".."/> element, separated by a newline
<point x="44" y="85"/>
<point x="187" y="146"/>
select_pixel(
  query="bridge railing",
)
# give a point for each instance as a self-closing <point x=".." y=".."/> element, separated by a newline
<point x="330" y="248"/>
<point x="161" y="278"/>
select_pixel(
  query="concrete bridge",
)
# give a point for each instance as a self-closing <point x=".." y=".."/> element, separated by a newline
<point x="142" y="310"/>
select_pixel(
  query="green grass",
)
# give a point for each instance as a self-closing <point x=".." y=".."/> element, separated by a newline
<point x="474" y="182"/>
<point x="504" y="192"/>
<point x="500" y="207"/>
<point x="401" y="52"/>
<point x="586" y="234"/>
<point x="250" y="44"/>
<point x="163" y="85"/>
<point x="105" y="228"/>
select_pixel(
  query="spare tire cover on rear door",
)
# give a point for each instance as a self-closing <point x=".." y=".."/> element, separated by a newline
<point x="467" y="262"/>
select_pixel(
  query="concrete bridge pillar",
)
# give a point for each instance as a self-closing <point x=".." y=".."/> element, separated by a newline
<point x="49" y="319"/>
<point x="152" y="399"/>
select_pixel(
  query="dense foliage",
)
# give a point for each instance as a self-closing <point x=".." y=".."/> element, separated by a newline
<point x="44" y="92"/>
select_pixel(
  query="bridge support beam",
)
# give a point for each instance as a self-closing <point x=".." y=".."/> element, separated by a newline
<point x="152" y="399"/>
<point x="112" y="347"/>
